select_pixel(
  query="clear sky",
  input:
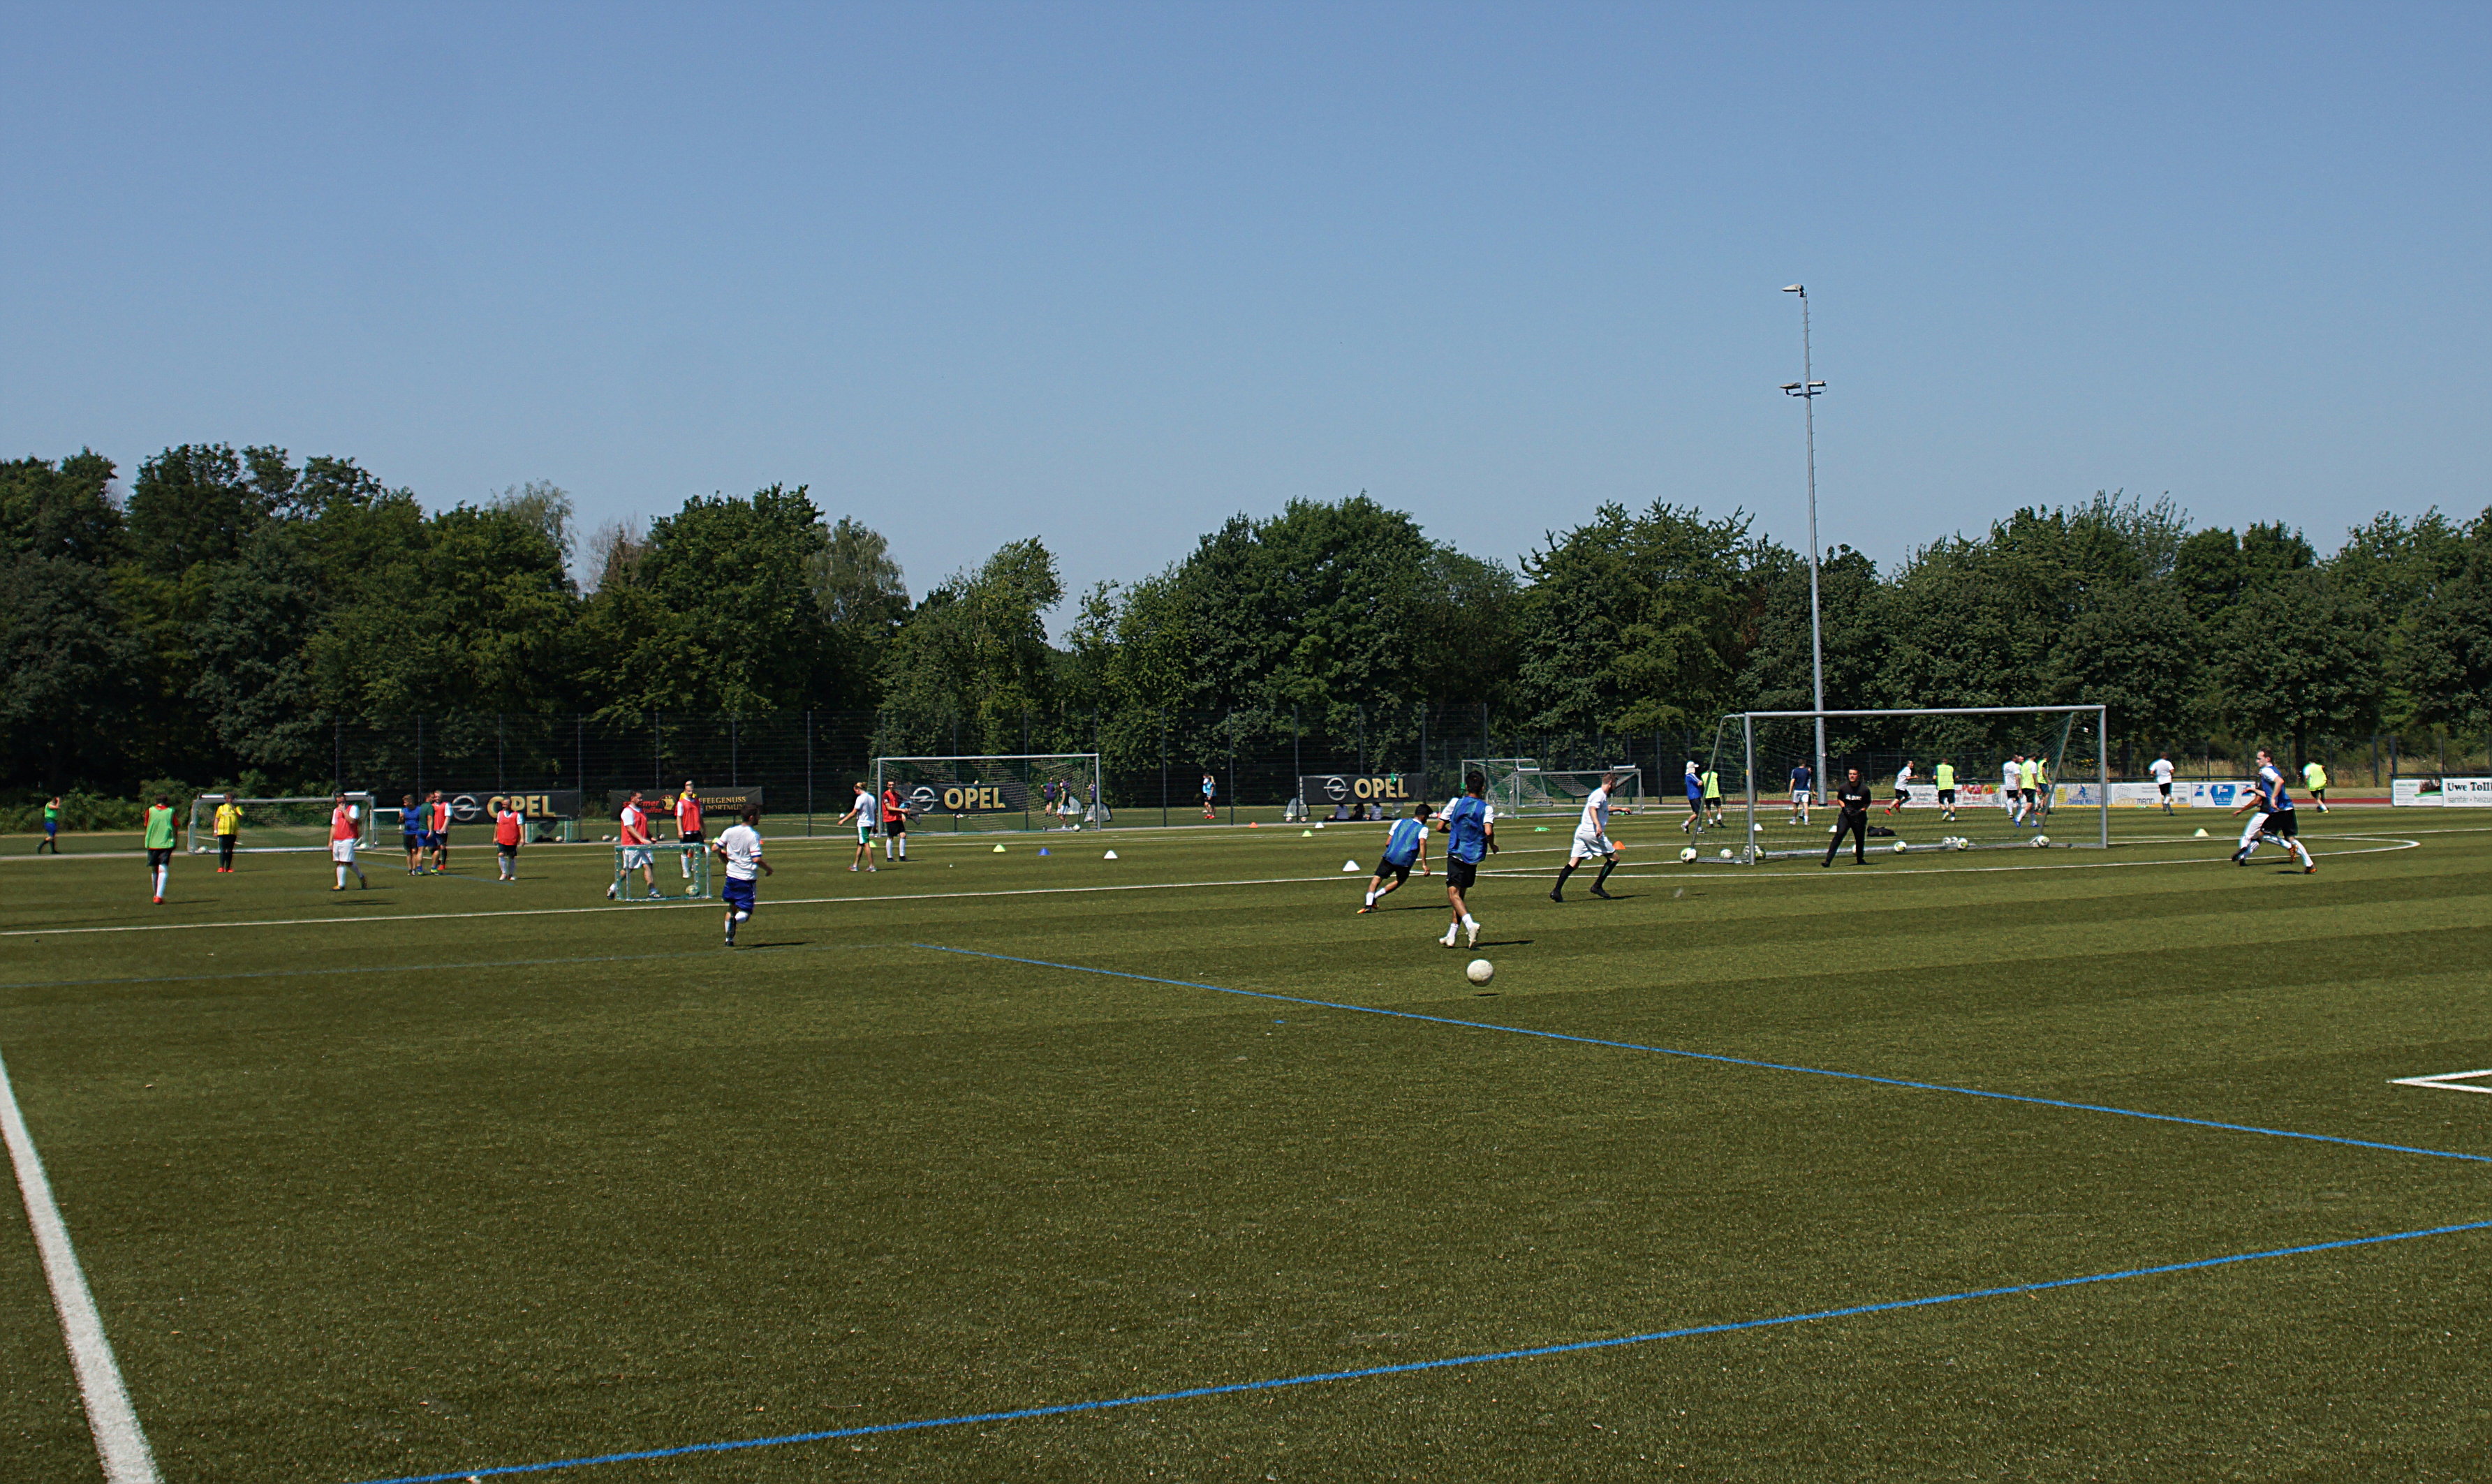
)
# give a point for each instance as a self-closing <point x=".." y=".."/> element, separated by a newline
<point x="1107" y="274"/>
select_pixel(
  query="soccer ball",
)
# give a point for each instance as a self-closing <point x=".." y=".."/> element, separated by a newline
<point x="1963" y="844"/>
<point x="1726" y="852"/>
<point x="1481" y="972"/>
<point x="1899" y="848"/>
<point x="1687" y="854"/>
<point x="2041" y="842"/>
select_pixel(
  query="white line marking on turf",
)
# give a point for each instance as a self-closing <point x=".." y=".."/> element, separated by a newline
<point x="118" y="1440"/>
<point x="2445" y="1082"/>
<point x="1760" y="874"/>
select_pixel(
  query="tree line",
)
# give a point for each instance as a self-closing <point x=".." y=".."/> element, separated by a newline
<point x="217" y="619"/>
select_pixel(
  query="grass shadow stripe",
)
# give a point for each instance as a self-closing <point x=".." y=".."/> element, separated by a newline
<point x="1715" y="1056"/>
<point x="1406" y="1368"/>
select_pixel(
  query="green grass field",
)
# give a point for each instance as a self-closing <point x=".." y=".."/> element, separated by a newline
<point x="447" y="1176"/>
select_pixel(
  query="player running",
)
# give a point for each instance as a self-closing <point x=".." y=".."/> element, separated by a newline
<point x="507" y="832"/>
<point x="1694" y="783"/>
<point x="2162" y="771"/>
<point x="2033" y="786"/>
<point x="160" y="844"/>
<point x="1712" y="797"/>
<point x="344" y="830"/>
<point x="1593" y="838"/>
<point x="688" y="825"/>
<point x="1903" y="788"/>
<point x="1406" y="845"/>
<point x="633" y="830"/>
<point x="894" y="823"/>
<point x="2276" y="820"/>
<point x="740" y="846"/>
<point x="863" y="811"/>
<point x="228" y="828"/>
<point x="2011" y="787"/>
<point x="1803" y="784"/>
<point x="1945" y="777"/>
<point x="2314" y="776"/>
<point x="1469" y="827"/>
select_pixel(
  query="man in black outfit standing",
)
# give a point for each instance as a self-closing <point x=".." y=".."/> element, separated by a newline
<point x="1853" y="798"/>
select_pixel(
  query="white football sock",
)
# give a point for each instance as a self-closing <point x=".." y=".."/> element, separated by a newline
<point x="341" y="876"/>
<point x="160" y="874"/>
<point x="1468" y="921"/>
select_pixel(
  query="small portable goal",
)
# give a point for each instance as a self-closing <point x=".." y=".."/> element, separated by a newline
<point x="299" y="824"/>
<point x="676" y="872"/>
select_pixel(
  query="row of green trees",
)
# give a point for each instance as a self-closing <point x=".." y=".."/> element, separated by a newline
<point x="220" y="616"/>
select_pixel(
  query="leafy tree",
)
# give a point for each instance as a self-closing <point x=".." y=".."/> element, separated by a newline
<point x="59" y="510"/>
<point x="2442" y="669"/>
<point x="974" y="655"/>
<point x="2299" y="655"/>
<point x="67" y="669"/>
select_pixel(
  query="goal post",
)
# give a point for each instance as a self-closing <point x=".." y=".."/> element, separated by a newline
<point x="998" y="791"/>
<point x="2057" y="757"/>
<point x="1520" y="786"/>
<point x="298" y="823"/>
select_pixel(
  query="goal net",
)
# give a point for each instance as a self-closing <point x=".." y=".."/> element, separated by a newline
<point x="661" y="871"/>
<point x="279" y="824"/>
<point x="1981" y="778"/>
<point x="1018" y="791"/>
<point x="1519" y="786"/>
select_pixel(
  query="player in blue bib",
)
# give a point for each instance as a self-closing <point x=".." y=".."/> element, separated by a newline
<point x="1406" y="845"/>
<point x="1469" y="827"/>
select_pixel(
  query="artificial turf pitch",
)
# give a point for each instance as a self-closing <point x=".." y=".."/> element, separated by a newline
<point x="446" y="1176"/>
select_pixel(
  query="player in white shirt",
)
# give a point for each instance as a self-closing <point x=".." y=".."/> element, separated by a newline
<point x="1903" y="788"/>
<point x="866" y="812"/>
<point x="740" y="846"/>
<point x="1591" y="838"/>
<point x="2273" y="818"/>
<point x="2162" y="771"/>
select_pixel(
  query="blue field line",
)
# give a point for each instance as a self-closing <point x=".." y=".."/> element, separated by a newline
<point x="1737" y="1061"/>
<point x="1484" y="1358"/>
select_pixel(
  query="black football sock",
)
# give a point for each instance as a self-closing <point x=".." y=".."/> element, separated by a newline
<point x="1563" y="871"/>
<point x="1606" y="867"/>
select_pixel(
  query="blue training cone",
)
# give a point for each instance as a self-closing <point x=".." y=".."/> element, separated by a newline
<point x="1042" y="849"/>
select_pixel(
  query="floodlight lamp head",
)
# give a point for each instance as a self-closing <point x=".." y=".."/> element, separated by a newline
<point x="1800" y="289"/>
<point x="1791" y="386"/>
<point x="1816" y="384"/>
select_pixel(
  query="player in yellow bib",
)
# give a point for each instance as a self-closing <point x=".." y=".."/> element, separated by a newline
<point x="229" y="826"/>
<point x="1945" y="777"/>
<point x="2314" y="778"/>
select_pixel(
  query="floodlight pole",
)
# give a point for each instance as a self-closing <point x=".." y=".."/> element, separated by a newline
<point x="1806" y="389"/>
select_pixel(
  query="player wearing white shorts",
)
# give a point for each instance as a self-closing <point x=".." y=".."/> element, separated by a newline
<point x="343" y="830"/>
<point x="632" y="829"/>
<point x="2162" y="771"/>
<point x="1591" y="838"/>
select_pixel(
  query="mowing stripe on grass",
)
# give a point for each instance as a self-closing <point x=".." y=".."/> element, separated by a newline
<point x="749" y="950"/>
<point x="1486" y="1358"/>
<point x="1736" y="1061"/>
<point x="119" y="1442"/>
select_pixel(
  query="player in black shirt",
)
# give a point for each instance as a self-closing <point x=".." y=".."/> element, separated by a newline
<point x="1853" y="798"/>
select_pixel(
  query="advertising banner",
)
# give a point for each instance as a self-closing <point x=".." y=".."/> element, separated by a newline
<point x="2441" y="792"/>
<point x="714" y="802"/>
<point x="2143" y="797"/>
<point x="478" y="806"/>
<point x="2213" y="795"/>
<point x="1391" y="790"/>
<point x="1967" y="795"/>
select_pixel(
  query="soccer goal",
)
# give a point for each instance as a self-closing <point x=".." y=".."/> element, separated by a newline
<point x="2026" y="777"/>
<point x="660" y="871"/>
<point x="1011" y="792"/>
<point x="1520" y="785"/>
<point x="279" y="824"/>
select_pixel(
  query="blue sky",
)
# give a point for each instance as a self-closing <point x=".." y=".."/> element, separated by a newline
<point x="1110" y="274"/>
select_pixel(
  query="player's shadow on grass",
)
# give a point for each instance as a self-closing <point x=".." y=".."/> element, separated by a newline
<point x="794" y="943"/>
<point x="1503" y="942"/>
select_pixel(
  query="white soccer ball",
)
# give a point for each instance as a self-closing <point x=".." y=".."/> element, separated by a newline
<point x="2041" y="842"/>
<point x="1899" y="848"/>
<point x="1481" y="972"/>
<point x="1726" y="852"/>
<point x="1963" y="844"/>
<point x="1687" y="854"/>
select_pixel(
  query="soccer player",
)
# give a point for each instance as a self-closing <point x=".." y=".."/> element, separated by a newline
<point x="863" y="811"/>
<point x="688" y="825"/>
<point x="895" y="820"/>
<point x="1712" y="797"/>
<point x="1694" y="783"/>
<point x="2162" y="771"/>
<point x="51" y="839"/>
<point x="1946" y="779"/>
<point x="740" y="846"/>
<point x="2314" y="776"/>
<point x="1903" y="788"/>
<point x="2011" y="786"/>
<point x="1469" y="827"/>
<point x="1406" y="845"/>
<point x="2276" y="820"/>
<point x="410" y="832"/>
<point x="1852" y="800"/>
<point x="160" y="844"/>
<point x="229" y="826"/>
<point x="1207" y="788"/>
<point x="343" y="830"/>
<point x="633" y="828"/>
<point x="1804" y="783"/>
<point x="2032" y="786"/>
<point x="437" y="819"/>
<point x="507" y="830"/>
<point x="1591" y="838"/>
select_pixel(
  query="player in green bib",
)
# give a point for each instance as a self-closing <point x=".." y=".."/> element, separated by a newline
<point x="51" y="839"/>
<point x="1713" y="796"/>
<point x="160" y="844"/>
<point x="1946" y="779"/>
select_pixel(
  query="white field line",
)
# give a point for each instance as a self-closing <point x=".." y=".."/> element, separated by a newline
<point x="2444" y="1082"/>
<point x="1736" y="874"/>
<point x="118" y="1440"/>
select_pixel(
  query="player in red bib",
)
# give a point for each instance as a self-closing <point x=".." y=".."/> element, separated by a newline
<point x="507" y="830"/>
<point x="344" y="829"/>
<point x="688" y="825"/>
<point x="438" y="815"/>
